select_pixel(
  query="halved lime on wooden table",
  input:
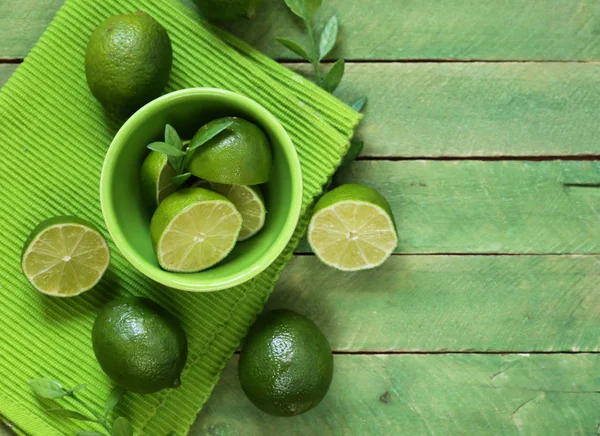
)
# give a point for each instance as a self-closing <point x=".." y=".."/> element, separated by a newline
<point x="353" y="228"/>
<point x="194" y="229"/>
<point x="65" y="256"/>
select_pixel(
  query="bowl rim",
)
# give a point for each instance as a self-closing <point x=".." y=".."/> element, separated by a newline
<point x="170" y="279"/>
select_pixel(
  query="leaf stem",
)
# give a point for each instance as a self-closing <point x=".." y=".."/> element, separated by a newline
<point x="99" y="419"/>
<point x="313" y="51"/>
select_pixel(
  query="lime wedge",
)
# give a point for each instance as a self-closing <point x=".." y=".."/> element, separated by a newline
<point x="353" y="228"/>
<point x="156" y="177"/>
<point x="194" y="229"/>
<point x="249" y="202"/>
<point x="65" y="256"/>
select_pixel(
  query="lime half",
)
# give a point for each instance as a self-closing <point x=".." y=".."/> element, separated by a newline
<point x="194" y="229"/>
<point x="156" y="177"/>
<point x="249" y="202"/>
<point x="353" y="228"/>
<point x="65" y="256"/>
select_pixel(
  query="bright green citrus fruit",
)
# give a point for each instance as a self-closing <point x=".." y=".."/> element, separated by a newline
<point x="352" y="228"/>
<point x="128" y="61"/>
<point x="239" y="155"/>
<point x="194" y="229"/>
<point x="228" y="9"/>
<point x="249" y="202"/>
<point x="64" y="256"/>
<point x="286" y="364"/>
<point x="140" y="345"/>
<point x="156" y="177"/>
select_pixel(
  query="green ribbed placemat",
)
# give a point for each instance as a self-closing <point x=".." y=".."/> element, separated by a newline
<point x="53" y="137"/>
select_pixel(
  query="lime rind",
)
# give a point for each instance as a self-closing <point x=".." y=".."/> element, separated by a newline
<point x="249" y="201"/>
<point x="333" y="242"/>
<point x="59" y="265"/>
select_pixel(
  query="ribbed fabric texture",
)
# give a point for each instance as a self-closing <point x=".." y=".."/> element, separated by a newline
<point x="53" y="137"/>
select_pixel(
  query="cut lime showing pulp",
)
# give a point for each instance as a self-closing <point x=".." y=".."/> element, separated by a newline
<point x="353" y="228"/>
<point x="249" y="202"/>
<point x="156" y="177"/>
<point x="194" y="229"/>
<point x="65" y="256"/>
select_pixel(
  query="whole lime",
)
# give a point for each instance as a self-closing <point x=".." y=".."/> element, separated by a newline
<point x="140" y="345"/>
<point x="239" y="155"/>
<point x="228" y="9"/>
<point x="128" y="61"/>
<point x="286" y="365"/>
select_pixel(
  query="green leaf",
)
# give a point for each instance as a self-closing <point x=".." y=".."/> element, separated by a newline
<point x="334" y="76"/>
<point x="122" y="427"/>
<point x="88" y="433"/>
<point x="172" y="137"/>
<point x="209" y="133"/>
<point x="304" y="8"/>
<point x="72" y="414"/>
<point x="356" y="148"/>
<point x="359" y="104"/>
<point x="294" y="46"/>
<point x="77" y="388"/>
<point x="113" y="399"/>
<point x="47" y="388"/>
<point x="180" y="179"/>
<point x="329" y="37"/>
<point x="164" y="148"/>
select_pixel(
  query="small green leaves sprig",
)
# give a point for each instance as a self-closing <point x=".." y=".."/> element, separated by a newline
<point x="306" y="10"/>
<point x="178" y="155"/>
<point x="53" y="390"/>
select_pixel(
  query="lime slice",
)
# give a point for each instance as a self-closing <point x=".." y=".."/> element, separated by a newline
<point x="249" y="202"/>
<point x="239" y="155"/>
<point x="194" y="229"/>
<point x="156" y="177"/>
<point x="64" y="256"/>
<point x="353" y="228"/>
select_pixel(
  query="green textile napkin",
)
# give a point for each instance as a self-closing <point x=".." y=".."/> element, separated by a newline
<point x="53" y="137"/>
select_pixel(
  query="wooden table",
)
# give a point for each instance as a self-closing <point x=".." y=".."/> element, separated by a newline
<point x="482" y="130"/>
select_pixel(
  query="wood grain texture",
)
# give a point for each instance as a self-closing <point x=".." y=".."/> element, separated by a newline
<point x="429" y="395"/>
<point x="6" y="70"/>
<point x="475" y="109"/>
<point x="388" y="29"/>
<point x="488" y="206"/>
<point x="455" y="303"/>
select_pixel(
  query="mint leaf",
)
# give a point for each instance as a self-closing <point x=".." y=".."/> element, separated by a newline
<point x="359" y="104"/>
<point x="356" y="148"/>
<point x="334" y="76"/>
<point x="122" y="427"/>
<point x="47" y="388"/>
<point x="304" y="8"/>
<point x="164" y="148"/>
<point x="77" y="388"/>
<point x="71" y="414"/>
<point x="172" y="137"/>
<point x="293" y="46"/>
<point x="329" y="37"/>
<point x="180" y="179"/>
<point x="208" y="132"/>
<point x="113" y="399"/>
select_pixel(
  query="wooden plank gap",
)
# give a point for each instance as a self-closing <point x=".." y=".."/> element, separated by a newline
<point x="547" y="158"/>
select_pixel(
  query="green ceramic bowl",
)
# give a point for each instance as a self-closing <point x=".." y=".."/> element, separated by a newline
<point x="128" y="218"/>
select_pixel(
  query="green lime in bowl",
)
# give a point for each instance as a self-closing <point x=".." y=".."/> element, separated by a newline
<point x="128" y="216"/>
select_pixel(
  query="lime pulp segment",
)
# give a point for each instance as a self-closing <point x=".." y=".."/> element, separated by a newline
<point x="352" y="235"/>
<point x="249" y="202"/>
<point x="65" y="259"/>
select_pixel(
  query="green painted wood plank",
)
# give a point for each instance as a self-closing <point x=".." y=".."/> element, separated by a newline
<point x="6" y="70"/>
<point x="450" y="303"/>
<point x="476" y="109"/>
<point x="488" y="206"/>
<point x="429" y="395"/>
<point x="388" y="29"/>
